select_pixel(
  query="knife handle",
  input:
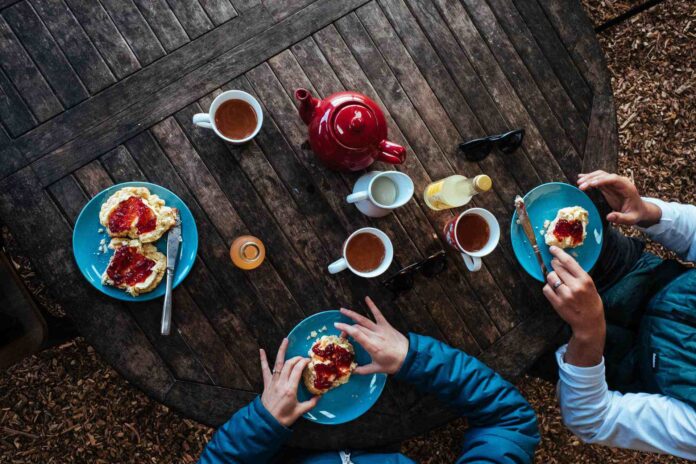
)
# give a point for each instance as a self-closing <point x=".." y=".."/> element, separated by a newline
<point x="167" y="308"/>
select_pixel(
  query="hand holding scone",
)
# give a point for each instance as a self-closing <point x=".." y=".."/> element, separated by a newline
<point x="623" y="197"/>
<point x="280" y="386"/>
<point x="386" y="345"/>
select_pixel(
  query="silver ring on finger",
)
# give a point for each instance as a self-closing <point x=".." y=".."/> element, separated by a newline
<point x="276" y="371"/>
<point x="557" y="284"/>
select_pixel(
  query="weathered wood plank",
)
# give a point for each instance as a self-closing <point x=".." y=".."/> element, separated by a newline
<point x="69" y="196"/>
<point x="105" y="36"/>
<point x="131" y="354"/>
<point x="558" y="56"/>
<point x="14" y="113"/>
<point x="75" y="44"/>
<point x="11" y="160"/>
<point x="602" y="147"/>
<point x="219" y="11"/>
<point x="245" y="5"/>
<point x="281" y="9"/>
<point x="191" y="16"/>
<point x="164" y="24"/>
<point x="134" y="30"/>
<point x="25" y="76"/>
<point x="38" y="42"/>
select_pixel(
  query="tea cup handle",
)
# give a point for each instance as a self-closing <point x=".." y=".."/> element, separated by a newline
<point x="338" y="266"/>
<point x="473" y="263"/>
<point x="357" y="196"/>
<point x="202" y="120"/>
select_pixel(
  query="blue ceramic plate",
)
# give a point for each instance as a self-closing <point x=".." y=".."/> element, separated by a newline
<point x="349" y="401"/>
<point x="92" y="262"/>
<point x="543" y="204"/>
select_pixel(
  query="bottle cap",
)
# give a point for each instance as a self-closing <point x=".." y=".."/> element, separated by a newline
<point x="249" y="251"/>
<point x="483" y="183"/>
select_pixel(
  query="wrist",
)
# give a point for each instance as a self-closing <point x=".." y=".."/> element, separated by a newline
<point x="650" y="215"/>
<point x="586" y="347"/>
<point x="401" y="356"/>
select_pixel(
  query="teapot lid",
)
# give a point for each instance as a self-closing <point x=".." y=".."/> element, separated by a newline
<point x="355" y="125"/>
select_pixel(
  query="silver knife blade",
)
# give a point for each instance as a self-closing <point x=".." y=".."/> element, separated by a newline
<point x="523" y="220"/>
<point x="173" y="245"/>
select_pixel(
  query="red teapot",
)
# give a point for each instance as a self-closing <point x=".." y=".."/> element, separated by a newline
<point x="347" y="131"/>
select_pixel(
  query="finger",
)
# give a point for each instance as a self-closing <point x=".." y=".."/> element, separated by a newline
<point x="296" y="373"/>
<point x="359" y="334"/>
<point x="280" y="357"/>
<point x="627" y="219"/>
<point x="367" y="369"/>
<point x="379" y="317"/>
<point x="265" y="370"/>
<point x="288" y="367"/>
<point x="308" y="405"/>
<point x="552" y="278"/>
<point x="359" y="318"/>
<point x="562" y="272"/>
<point x="343" y="335"/>
<point x="592" y="179"/>
<point x="567" y="261"/>
<point x="550" y="295"/>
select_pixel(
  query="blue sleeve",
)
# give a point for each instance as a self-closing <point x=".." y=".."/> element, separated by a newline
<point x="252" y="435"/>
<point x="502" y="425"/>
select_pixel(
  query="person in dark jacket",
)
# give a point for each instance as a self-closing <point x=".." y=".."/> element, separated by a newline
<point x="502" y="425"/>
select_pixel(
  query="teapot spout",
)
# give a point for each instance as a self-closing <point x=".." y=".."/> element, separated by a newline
<point x="307" y="104"/>
<point x="390" y="152"/>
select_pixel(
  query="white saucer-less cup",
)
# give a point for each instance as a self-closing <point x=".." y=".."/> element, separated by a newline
<point x="343" y="264"/>
<point x="472" y="259"/>
<point x="207" y="120"/>
<point x="364" y="193"/>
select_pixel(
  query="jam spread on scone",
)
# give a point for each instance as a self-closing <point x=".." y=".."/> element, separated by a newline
<point x="340" y="361"/>
<point x="572" y="229"/>
<point x="129" y="267"/>
<point x="121" y="219"/>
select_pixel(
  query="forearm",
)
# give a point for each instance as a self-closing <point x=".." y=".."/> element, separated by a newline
<point x="252" y="435"/>
<point x="585" y="349"/>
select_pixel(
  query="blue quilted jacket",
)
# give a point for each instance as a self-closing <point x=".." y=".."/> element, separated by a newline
<point x="502" y="425"/>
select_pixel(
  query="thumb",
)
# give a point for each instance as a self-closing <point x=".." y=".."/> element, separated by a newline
<point x="627" y="219"/>
<point x="308" y="405"/>
<point x="367" y="369"/>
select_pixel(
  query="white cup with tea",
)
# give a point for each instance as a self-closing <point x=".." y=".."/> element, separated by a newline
<point x="235" y="116"/>
<point x="368" y="252"/>
<point x="474" y="233"/>
<point x="376" y="193"/>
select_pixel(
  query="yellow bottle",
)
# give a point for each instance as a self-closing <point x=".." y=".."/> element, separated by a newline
<point x="247" y="252"/>
<point x="455" y="191"/>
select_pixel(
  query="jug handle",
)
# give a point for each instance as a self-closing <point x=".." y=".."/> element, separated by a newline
<point x="391" y="153"/>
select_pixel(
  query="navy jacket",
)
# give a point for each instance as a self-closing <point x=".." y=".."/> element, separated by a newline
<point x="502" y="425"/>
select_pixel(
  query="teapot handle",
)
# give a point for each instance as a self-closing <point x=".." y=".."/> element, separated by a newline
<point x="391" y="153"/>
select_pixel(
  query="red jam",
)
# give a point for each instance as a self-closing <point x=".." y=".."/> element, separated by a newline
<point x="129" y="267"/>
<point x="340" y="361"/>
<point x="127" y="211"/>
<point x="572" y="229"/>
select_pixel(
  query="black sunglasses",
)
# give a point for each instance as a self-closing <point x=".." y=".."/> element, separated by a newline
<point x="478" y="149"/>
<point x="402" y="281"/>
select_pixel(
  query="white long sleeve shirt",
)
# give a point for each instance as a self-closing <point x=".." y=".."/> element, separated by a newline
<point x="640" y="421"/>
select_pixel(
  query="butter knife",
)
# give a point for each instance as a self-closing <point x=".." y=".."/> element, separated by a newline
<point x="173" y="245"/>
<point x="523" y="220"/>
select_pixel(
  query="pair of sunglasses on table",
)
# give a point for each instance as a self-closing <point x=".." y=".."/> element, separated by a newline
<point x="478" y="149"/>
<point x="402" y="281"/>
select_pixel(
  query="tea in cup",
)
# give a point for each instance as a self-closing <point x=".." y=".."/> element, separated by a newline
<point x="235" y="116"/>
<point x="368" y="252"/>
<point x="376" y="193"/>
<point x="474" y="233"/>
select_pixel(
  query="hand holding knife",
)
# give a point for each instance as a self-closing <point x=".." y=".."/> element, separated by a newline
<point x="523" y="220"/>
<point x="173" y="246"/>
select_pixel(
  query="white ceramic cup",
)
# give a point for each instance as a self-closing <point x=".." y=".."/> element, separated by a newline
<point x="472" y="259"/>
<point x="207" y="120"/>
<point x="364" y="193"/>
<point x="343" y="264"/>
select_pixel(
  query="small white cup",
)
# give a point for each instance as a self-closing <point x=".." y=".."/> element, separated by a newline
<point x="207" y="120"/>
<point x="343" y="264"/>
<point x="472" y="259"/>
<point x="363" y="195"/>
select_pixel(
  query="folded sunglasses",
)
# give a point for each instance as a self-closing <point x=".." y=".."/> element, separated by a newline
<point x="402" y="281"/>
<point x="478" y="149"/>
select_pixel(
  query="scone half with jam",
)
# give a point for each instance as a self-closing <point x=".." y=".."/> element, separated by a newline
<point x="135" y="267"/>
<point x="331" y="363"/>
<point x="569" y="228"/>
<point x="134" y="212"/>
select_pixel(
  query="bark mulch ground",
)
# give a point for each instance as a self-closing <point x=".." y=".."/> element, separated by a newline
<point x="65" y="405"/>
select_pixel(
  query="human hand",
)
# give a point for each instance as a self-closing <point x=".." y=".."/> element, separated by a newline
<point x="386" y="345"/>
<point x="573" y="295"/>
<point x="623" y="197"/>
<point x="280" y="386"/>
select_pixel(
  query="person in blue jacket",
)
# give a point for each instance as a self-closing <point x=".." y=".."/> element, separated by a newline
<point x="502" y="425"/>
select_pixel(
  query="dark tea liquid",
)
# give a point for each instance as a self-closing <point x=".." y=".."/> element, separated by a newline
<point x="365" y="252"/>
<point x="236" y="119"/>
<point x="472" y="232"/>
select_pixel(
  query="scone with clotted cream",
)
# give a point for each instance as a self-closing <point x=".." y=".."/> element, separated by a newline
<point x="136" y="213"/>
<point x="569" y="228"/>
<point x="135" y="267"/>
<point x="331" y="362"/>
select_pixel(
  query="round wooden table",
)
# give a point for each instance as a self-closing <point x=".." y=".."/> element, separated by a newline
<point x="111" y="100"/>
